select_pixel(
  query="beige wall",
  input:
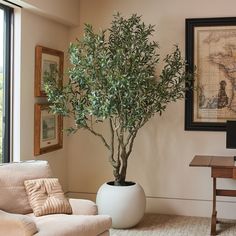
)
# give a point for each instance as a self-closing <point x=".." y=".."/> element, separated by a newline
<point x="34" y="30"/>
<point x="64" y="11"/>
<point x="163" y="149"/>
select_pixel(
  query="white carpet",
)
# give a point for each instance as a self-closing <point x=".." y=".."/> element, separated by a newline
<point x="169" y="225"/>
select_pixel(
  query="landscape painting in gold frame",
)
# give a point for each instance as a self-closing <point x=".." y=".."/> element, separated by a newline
<point x="47" y="60"/>
<point x="48" y="127"/>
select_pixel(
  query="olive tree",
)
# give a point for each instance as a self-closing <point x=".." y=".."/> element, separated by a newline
<point x="112" y="78"/>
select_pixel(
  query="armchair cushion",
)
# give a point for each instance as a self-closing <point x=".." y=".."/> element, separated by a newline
<point x="13" y="197"/>
<point x="46" y="197"/>
<point x="15" y="224"/>
<point x="83" y="207"/>
<point x="65" y="225"/>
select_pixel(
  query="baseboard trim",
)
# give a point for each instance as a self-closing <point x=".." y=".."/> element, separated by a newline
<point x="177" y="206"/>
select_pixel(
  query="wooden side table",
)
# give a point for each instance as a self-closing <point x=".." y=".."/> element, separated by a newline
<point x="221" y="167"/>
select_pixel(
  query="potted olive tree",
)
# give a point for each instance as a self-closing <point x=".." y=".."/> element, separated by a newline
<point x="112" y="79"/>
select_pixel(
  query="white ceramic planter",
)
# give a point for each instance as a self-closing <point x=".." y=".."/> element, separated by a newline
<point x="125" y="204"/>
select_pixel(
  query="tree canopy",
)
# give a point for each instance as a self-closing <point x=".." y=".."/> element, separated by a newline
<point x="112" y="77"/>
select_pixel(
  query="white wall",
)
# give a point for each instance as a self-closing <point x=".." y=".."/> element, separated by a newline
<point x="64" y="11"/>
<point x="163" y="150"/>
<point x="35" y="30"/>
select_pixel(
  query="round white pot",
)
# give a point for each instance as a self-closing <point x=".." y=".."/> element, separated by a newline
<point x="125" y="204"/>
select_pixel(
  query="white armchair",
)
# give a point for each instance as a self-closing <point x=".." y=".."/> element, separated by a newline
<point x="17" y="218"/>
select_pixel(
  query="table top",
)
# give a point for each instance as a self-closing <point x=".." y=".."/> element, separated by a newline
<point x="212" y="161"/>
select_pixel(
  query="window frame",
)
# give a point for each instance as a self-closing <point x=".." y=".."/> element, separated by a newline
<point x="7" y="62"/>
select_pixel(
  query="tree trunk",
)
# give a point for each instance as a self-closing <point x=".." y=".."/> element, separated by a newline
<point x="123" y="169"/>
<point x="120" y="172"/>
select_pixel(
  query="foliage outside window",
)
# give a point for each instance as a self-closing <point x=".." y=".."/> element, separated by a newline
<point x="5" y="94"/>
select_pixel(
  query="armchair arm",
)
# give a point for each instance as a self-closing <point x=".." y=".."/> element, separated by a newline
<point x="83" y="207"/>
<point x="16" y="224"/>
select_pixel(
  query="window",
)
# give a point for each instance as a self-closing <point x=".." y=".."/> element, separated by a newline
<point x="5" y="78"/>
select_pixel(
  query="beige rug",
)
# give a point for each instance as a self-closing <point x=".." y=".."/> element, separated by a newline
<point x="169" y="225"/>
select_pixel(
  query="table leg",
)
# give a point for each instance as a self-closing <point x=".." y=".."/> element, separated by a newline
<point x="214" y="212"/>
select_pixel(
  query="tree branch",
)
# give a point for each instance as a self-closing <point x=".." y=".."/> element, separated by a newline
<point x="131" y="143"/>
<point x="111" y="157"/>
<point x="118" y="154"/>
<point x="135" y="130"/>
<point x="99" y="135"/>
<point x="118" y="148"/>
<point x="133" y="135"/>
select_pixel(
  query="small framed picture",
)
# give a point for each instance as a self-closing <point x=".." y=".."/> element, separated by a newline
<point x="48" y="127"/>
<point x="47" y="61"/>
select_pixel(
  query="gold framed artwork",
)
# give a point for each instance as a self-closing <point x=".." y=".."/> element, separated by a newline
<point x="47" y="60"/>
<point x="48" y="134"/>
<point x="211" y="49"/>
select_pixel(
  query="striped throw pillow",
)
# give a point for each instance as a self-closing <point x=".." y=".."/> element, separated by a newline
<point x="46" y="197"/>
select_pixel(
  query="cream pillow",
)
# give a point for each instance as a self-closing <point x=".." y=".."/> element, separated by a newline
<point x="46" y="197"/>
